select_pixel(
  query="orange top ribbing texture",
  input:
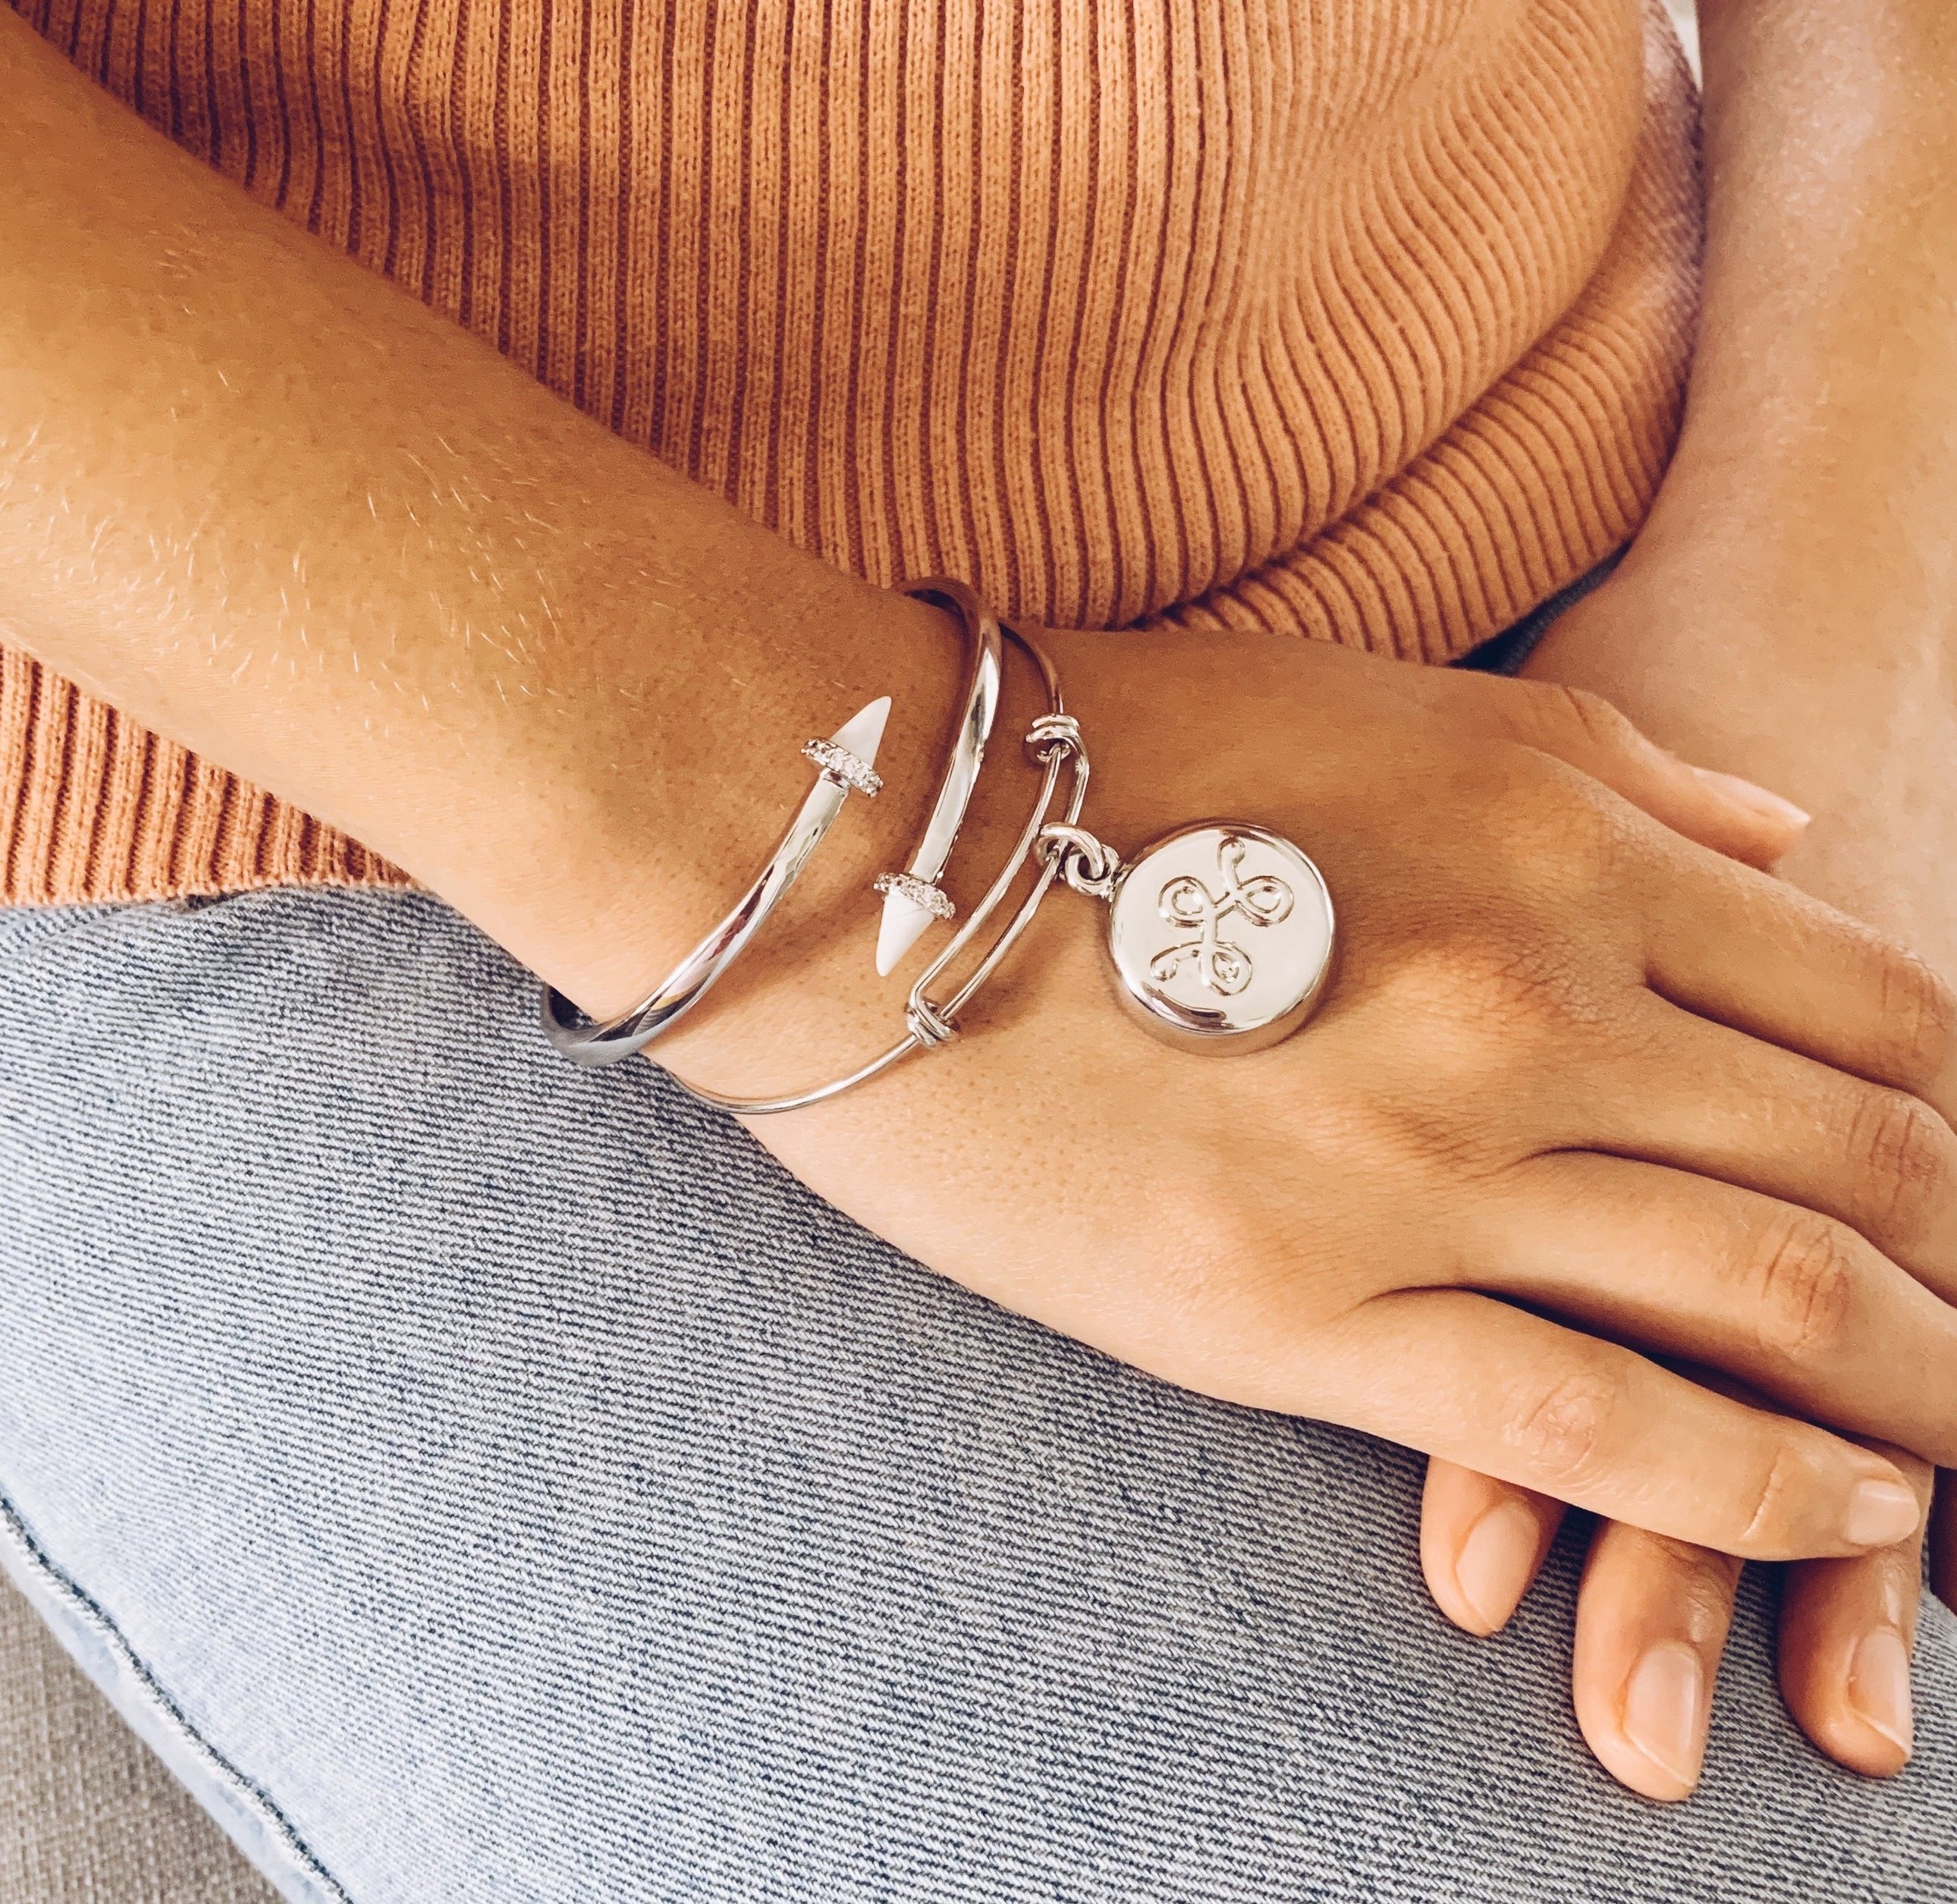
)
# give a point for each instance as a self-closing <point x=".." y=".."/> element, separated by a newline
<point x="1366" y="319"/>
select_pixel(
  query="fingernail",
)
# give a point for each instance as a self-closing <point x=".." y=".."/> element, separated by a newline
<point x="1665" y="1709"/>
<point x="1879" y="1685"/>
<point x="1881" y="1513"/>
<point x="1756" y="799"/>
<point x="1496" y="1559"/>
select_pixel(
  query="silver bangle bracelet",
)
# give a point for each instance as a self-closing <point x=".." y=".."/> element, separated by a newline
<point x="1054" y="742"/>
<point x="845" y="761"/>
<point x="1179" y="914"/>
<point x="911" y="899"/>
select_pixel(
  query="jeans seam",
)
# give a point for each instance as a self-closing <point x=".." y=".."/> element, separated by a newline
<point x="62" y="1585"/>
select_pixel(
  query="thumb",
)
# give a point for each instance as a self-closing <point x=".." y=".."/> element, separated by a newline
<point x="1732" y="816"/>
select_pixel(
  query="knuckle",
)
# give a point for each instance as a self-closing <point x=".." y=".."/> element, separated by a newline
<point x="1701" y="1580"/>
<point x="1920" y="1010"/>
<point x="1772" y="1502"/>
<point x="1565" y="1431"/>
<point x="1901" y="1149"/>
<point x="1509" y="983"/>
<point x="1487" y="1017"/>
<point x="1589" y="716"/>
<point x="1559" y="834"/>
<point x="1806" y="1288"/>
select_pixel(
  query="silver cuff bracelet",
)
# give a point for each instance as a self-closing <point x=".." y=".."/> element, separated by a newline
<point x="912" y="899"/>
<point x="844" y="762"/>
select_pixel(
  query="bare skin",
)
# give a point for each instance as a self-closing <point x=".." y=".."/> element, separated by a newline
<point x="429" y="604"/>
<point x="1789" y="612"/>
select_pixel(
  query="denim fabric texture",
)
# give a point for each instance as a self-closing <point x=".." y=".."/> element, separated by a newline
<point x="488" y="1481"/>
<point x="1506" y="653"/>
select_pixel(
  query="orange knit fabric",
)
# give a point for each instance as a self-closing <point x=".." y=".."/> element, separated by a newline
<point x="1367" y="319"/>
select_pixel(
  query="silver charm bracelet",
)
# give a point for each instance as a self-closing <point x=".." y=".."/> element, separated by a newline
<point x="1220" y="934"/>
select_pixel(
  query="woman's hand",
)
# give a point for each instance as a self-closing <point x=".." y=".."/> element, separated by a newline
<point x="1578" y="1084"/>
<point x="1652" y="1618"/>
<point x="1859" y="719"/>
<point x="1796" y="657"/>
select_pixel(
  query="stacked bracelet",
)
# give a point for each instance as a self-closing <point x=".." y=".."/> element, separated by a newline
<point x="1220" y="934"/>
<point x="912" y="899"/>
<point x="846" y="761"/>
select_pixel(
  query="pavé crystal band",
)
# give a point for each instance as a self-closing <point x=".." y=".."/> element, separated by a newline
<point x="840" y="764"/>
<point x="920" y="893"/>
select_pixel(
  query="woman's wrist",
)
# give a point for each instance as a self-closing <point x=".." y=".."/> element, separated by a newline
<point x="269" y="507"/>
<point x="673" y="816"/>
<point x="805" y="1003"/>
<point x="1804" y="521"/>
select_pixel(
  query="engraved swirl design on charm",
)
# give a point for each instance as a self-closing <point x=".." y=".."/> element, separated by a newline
<point x="1221" y="965"/>
<point x="1249" y="935"/>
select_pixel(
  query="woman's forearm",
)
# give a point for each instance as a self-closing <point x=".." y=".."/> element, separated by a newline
<point x="1825" y="376"/>
<point x="1790" y="612"/>
<point x="257" y="498"/>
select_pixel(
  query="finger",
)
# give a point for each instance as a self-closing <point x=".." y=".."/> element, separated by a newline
<point x="1795" y="1304"/>
<point x="1731" y="815"/>
<point x="1513" y="1395"/>
<point x="1482" y="1543"/>
<point x="1651" y="1619"/>
<point x="1702" y="1097"/>
<point x="1846" y="1629"/>
<point x="1733" y="944"/>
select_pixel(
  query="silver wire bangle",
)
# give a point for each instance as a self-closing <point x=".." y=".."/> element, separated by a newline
<point x="1054" y="741"/>
<point x="840" y="769"/>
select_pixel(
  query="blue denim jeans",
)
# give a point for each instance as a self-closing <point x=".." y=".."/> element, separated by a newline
<point x="486" y="1480"/>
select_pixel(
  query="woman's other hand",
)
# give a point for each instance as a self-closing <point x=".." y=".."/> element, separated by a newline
<point x="1652" y="1618"/>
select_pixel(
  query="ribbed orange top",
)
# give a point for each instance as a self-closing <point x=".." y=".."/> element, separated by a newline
<point x="1364" y="318"/>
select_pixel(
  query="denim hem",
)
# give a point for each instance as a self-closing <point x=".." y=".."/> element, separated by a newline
<point x="248" y="1815"/>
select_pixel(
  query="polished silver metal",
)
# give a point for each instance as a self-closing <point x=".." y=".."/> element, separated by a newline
<point x="978" y="709"/>
<point x="1055" y="743"/>
<point x="839" y="763"/>
<point x="594" y="1045"/>
<point x="1220" y="934"/>
<point x="1089" y="865"/>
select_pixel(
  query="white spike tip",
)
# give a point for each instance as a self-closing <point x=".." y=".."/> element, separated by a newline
<point x="862" y="734"/>
<point x="903" y="923"/>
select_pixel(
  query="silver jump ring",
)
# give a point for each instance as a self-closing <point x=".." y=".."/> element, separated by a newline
<point x="1053" y="731"/>
<point x="1089" y="865"/>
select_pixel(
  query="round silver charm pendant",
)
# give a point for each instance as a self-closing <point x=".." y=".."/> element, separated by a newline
<point x="1221" y="936"/>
